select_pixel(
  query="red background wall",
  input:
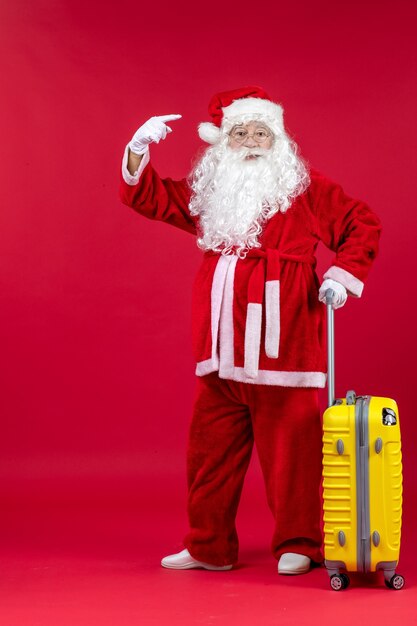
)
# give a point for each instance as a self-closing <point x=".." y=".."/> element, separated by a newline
<point x="96" y="368"/>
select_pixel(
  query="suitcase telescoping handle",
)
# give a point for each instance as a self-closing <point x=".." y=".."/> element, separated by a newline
<point x="351" y="395"/>
<point x="330" y="347"/>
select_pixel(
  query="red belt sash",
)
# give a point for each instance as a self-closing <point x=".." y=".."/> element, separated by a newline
<point x="264" y="287"/>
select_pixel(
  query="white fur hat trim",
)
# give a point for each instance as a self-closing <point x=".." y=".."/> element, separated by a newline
<point x="264" y="109"/>
<point x="241" y="111"/>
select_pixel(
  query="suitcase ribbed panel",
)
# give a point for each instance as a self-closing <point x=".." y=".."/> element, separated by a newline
<point x="385" y="475"/>
<point x="339" y="485"/>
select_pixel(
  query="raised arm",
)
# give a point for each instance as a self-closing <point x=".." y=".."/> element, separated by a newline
<point x="142" y="188"/>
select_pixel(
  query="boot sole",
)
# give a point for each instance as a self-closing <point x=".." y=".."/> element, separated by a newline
<point x="197" y="565"/>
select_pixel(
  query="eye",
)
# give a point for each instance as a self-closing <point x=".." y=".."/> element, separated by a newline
<point x="240" y="133"/>
<point x="262" y="134"/>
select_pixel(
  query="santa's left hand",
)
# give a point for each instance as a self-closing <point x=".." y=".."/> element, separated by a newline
<point x="339" y="293"/>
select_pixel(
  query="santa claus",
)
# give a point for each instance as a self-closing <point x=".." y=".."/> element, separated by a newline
<point x="258" y="212"/>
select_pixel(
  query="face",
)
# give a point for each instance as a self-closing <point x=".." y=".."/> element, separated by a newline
<point x="248" y="136"/>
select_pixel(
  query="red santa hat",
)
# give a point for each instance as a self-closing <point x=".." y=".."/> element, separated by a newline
<point x="239" y="106"/>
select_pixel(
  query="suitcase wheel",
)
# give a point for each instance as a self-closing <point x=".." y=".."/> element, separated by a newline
<point x="395" y="582"/>
<point x="339" y="582"/>
<point x="346" y="580"/>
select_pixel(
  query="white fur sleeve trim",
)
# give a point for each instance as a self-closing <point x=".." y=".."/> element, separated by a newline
<point x="129" y="178"/>
<point x="353" y="285"/>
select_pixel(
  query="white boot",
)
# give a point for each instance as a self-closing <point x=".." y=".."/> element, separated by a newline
<point x="291" y="563"/>
<point x="184" y="560"/>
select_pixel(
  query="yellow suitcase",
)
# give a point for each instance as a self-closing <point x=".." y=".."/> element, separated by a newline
<point x="362" y="482"/>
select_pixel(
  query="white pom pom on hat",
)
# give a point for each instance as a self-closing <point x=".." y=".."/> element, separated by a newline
<point x="231" y="107"/>
<point x="208" y="132"/>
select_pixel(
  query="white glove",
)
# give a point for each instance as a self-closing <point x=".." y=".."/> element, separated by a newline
<point x="339" y="296"/>
<point x="153" y="130"/>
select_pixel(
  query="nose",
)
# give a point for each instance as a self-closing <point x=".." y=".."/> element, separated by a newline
<point x="250" y="142"/>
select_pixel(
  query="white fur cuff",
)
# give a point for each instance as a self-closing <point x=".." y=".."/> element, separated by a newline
<point x="353" y="285"/>
<point x="133" y="179"/>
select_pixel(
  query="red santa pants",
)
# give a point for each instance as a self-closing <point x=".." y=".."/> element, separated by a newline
<point x="285" y="425"/>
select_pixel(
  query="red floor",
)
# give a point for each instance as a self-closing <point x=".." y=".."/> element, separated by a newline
<point x="96" y="562"/>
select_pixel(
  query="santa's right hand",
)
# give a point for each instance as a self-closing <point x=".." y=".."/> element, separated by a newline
<point x="151" y="131"/>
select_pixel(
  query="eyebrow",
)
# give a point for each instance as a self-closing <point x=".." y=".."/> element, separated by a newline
<point x="259" y="126"/>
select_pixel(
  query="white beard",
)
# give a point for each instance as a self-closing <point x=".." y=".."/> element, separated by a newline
<point x="234" y="196"/>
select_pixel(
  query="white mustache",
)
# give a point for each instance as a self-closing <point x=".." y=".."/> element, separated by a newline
<point x="242" y="153"/>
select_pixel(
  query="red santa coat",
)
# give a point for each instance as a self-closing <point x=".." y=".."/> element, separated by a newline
<point x="258" y="320"/>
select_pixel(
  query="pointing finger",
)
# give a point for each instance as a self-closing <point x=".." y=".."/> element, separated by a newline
<point x="169" y="118"/>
